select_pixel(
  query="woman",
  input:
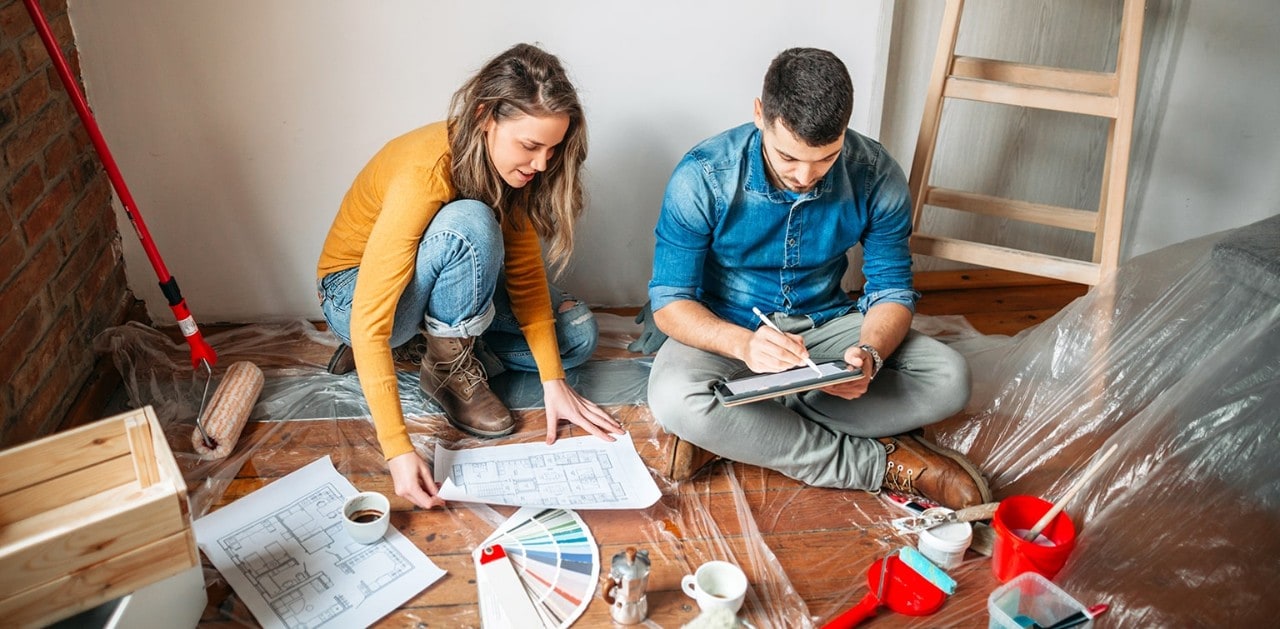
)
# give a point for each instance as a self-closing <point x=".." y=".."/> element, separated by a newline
<point x="425" y="234"/>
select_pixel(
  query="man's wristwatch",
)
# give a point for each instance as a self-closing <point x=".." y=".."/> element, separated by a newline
<point x="876" y="361"/>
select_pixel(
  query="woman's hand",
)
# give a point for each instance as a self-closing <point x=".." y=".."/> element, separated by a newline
<point x="413" y="482"/>
<point x="563" y="402"/>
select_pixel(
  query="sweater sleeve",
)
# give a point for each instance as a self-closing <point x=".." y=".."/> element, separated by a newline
<point x="530" y="295"/>
<point x="411" y="200"/>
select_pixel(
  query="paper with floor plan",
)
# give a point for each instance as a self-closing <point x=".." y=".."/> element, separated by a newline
<point x="576" y="473"/>
<point x="284" y="551"/>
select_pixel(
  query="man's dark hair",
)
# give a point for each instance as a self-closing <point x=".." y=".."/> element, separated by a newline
<point x="810" y="90"/>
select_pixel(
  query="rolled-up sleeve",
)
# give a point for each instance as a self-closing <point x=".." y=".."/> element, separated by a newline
<point x="683" y="235"/>
<point x="886" y="244"/>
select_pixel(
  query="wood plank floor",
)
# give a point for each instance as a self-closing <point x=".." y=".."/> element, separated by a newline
<point x="806" y="550"/>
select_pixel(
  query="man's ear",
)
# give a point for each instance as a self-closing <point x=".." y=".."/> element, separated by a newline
<point x="759" y="114"/>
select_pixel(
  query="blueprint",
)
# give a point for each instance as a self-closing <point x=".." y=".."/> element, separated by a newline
<point x="576" y="473"/>
<point x="283" y="550"/>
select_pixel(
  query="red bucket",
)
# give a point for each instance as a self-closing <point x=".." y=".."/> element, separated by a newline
<point x="1012" y="555"/>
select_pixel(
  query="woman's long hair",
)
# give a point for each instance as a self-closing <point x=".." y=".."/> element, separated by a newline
<point x="524" y="80"/>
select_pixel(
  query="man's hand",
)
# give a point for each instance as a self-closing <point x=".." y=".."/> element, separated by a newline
<point x="412" y="480"/>
<point x="853" y="389"/>
<point x="771" y="351"/>
<point x="562" y="402"/>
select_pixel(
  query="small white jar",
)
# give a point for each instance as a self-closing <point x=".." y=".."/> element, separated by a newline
<point x="945" y="545"/>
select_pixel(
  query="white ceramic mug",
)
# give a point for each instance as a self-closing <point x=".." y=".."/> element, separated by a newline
<point x="365" y="516"/>
<point x="716" y="585"/>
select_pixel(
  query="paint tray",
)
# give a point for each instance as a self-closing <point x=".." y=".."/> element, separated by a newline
<point x="1030" y="597"/>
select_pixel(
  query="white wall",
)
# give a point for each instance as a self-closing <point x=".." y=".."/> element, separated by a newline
<point x="239" y="124"/>
<point x="1215" y="159"/>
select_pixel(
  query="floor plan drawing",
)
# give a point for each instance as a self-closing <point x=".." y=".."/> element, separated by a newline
<point x="577" y="477"/>
<point x="289" y="558"/>
<point x="581" y="472"/>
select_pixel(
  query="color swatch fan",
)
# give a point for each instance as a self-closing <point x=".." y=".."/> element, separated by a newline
<point x="554" y="560"/>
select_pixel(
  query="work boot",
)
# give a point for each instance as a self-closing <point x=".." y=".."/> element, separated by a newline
<point x="451" y="374"/>
<point x="411" y="351"/>
<point x="343" y="360"/>
<point x="687" y="459"/>
<point x="918" y="466"/>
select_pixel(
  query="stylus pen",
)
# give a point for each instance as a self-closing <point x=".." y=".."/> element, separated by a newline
<point x="770" y="323"/>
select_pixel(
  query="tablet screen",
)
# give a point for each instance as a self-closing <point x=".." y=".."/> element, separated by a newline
<point x="781" y="379"/>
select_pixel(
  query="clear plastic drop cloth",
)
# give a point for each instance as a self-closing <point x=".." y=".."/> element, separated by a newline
<point x="305" y="413"/>
<point x="1174" y="359"/>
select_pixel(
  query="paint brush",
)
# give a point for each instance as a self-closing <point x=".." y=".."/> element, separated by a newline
<point x="1071" y="493"/>
<point x="1079" y="618"/>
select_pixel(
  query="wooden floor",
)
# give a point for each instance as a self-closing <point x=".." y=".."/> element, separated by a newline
<point x="806" y="550"/>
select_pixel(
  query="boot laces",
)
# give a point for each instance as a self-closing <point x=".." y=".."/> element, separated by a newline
<point x="469" y="371"/>
<point x="896" y="475"/>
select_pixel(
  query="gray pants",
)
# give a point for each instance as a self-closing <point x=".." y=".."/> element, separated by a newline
<point x="819" y="439"/>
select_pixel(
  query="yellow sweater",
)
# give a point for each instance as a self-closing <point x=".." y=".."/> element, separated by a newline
<point x="378" y="228"/>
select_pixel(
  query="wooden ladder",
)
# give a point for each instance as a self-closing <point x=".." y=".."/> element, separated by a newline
<point x="1105" y="94"/>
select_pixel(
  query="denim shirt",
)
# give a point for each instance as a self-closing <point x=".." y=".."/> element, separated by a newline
<point x="731" y="240"/>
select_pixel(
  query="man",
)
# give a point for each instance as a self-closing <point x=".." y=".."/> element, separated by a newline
<point x="762" y="216"/>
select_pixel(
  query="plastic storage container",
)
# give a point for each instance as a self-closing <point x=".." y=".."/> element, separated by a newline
<point x="1029" y="598"/>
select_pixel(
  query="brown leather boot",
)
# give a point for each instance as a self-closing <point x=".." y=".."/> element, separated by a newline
<point x="919" y="466"/>
<point x="451" y="374"/>
<point x="687" y="459"/>
<point x="343" y="360"/>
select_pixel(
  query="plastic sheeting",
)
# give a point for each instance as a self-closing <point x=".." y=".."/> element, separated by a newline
<point x="1174" y="359"/>
<point x="302" y="412"/>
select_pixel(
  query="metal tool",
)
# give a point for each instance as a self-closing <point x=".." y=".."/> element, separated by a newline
<point x="938" y="516"/>
<point x="204" y="435"/>
<point x="625" y="590"/>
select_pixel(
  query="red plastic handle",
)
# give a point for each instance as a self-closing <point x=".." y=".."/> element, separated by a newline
<point x="865" y="609"/>
<point x="492" y="553"/>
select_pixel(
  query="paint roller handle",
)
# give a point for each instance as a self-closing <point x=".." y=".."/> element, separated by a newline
<point x="1071" y="493"/>
<point x="865" y="609"/>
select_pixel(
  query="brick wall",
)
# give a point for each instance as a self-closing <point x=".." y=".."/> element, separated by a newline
<point x="61" y="269"/>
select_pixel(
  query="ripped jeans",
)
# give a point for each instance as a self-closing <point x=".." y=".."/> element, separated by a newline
<point x="458" y="290"/>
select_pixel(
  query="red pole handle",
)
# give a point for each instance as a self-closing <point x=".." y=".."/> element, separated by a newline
<point x="200" y="350"/>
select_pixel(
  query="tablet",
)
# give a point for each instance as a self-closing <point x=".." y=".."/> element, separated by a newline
<point x="763" y="386"/>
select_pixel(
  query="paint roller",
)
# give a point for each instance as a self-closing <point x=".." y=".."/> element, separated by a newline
<point x="218" y="427"/>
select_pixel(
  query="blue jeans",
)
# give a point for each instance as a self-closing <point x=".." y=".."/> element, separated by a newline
<point x="456" y="292"/>
<point x="819" y="439"/>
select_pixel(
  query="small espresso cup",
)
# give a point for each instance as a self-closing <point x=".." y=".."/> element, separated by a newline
<point x="716" y="585"/>
<point x="365" y="516"/>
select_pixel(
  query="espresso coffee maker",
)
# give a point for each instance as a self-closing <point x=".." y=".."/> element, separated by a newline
<point x="625" y="591"/>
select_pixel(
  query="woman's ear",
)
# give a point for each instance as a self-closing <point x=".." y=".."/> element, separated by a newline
<point x="489" y="122"/>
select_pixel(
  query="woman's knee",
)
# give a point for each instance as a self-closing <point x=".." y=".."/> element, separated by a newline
<point x="471" y="220"/>
<point x="577" y="329"/>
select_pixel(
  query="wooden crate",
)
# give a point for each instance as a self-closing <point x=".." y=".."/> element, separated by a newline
<point x="89" y="515"/>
